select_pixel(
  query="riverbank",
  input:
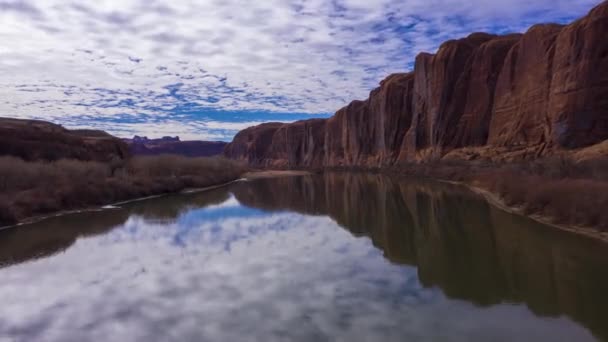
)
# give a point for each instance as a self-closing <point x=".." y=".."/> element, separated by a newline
<point x="498" y="202"/>
<point x="257" y="174"/>
<point x="36" y="219"/>
<point x="555" y="191"/>
<point x="34" y="190"/>
<point x="569" y="192"/>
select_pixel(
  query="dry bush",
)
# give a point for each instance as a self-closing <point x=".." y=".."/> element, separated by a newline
<point x="14" y="173"/>
<point x="569" y="192"/>
<point x="200" y="170"/>
<point x="18" y="175"/>
<point x="563" y="167"/>
<point x="82" y="171"/>
<point x="42" y="187"/>
<point x="595" y="168"/>
<point x="7" y="216"/>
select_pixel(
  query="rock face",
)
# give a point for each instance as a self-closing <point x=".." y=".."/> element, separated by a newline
<point x="455" y="97"/>
<point x="440" y="93"/>
<point x="578" y="98"/>
<point x="173" y="145"/>
<point x="484" y="96"/>
<point x="296" y="144"/>
<point x="39" y="140"/>
<point x="520" y="115"/>
<point x="370" y="133"/>
<point x="252" y="144"/>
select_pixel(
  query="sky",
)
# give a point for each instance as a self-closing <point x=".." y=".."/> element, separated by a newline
<point x="205" y="69"/>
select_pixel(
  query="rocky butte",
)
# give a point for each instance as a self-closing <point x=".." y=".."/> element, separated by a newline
<point x="498" y="98"/>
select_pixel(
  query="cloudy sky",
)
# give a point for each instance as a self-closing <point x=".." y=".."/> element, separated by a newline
<point x="203" y="69"/>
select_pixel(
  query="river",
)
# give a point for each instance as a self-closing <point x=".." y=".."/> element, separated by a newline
<point x="333" y="257"/>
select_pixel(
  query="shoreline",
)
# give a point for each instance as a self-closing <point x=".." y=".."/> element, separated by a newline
<point x="251" y="175"/>
<point x="496" y="201"/>
<point x="474" y="183"/>
<point x="112" y="206"/>
<point x="491" y="197"/>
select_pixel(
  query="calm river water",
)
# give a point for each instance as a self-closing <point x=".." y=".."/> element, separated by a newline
<point x="334" y="257"/>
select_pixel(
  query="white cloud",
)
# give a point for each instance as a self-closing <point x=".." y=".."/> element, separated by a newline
<point x="186" y="130"/>
<point x="62" y="59"/>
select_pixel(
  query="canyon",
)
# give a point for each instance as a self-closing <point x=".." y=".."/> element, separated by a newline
<point x="504" y="98"/>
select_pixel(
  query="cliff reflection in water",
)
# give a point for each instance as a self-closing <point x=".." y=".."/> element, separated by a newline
<point x="457" y="241"/>
<point x="188" y="257"/>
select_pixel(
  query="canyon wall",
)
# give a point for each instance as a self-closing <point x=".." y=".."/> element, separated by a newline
<point x="512" y="97"/>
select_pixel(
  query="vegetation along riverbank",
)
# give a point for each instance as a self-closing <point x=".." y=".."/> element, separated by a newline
<point x="46" y="169"/>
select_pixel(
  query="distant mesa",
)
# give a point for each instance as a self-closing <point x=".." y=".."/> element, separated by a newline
<point x="142" y="140"/>
<point x="144" y="146"/>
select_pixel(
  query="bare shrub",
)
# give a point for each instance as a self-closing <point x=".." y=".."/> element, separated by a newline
<point x="170" y="166"/>
<point x="14" y="173"/>
<point x="42" y="187"/>
<point x="567" y="191"/>
<point x="7" y="216"/>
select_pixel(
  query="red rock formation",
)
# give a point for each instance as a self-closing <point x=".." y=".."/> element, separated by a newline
<point x="440" y="92"/>
<point x="370" y="133"/>
<point x="520" y="115"/>
<point x="251" y="144"/>
<point x="39" y="140"/>
<point x="300" y="144"/>
<point x="482" y="71"/>
<point x="579" y="88"/>
<point x="343" y="134"/>
<point x="352" y="137"/>
<point x="393" y="104"/>
<point x="484" y="96"/>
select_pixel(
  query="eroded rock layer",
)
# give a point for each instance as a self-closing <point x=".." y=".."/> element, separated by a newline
<point x="518" y="96"/>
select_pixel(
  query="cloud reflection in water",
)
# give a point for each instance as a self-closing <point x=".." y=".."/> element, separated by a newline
<point x="231" y="273"/>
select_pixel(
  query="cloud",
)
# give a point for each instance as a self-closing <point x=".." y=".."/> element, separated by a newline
<point x="20" y="7"/>
<point x="155" y="58"/>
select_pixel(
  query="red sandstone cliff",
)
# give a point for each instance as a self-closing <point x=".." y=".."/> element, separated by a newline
<point x="370" y="133"/>
<point x="252" y="144"/>
<point x="483" y="96"/>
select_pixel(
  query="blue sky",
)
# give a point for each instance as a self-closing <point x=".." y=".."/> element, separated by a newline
<point x="204" y="69"/>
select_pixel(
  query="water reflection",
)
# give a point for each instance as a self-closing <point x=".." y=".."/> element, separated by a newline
<point x="54" y="235"/>
<point x="269" y="260"/>
<point x="458" y="242"/>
